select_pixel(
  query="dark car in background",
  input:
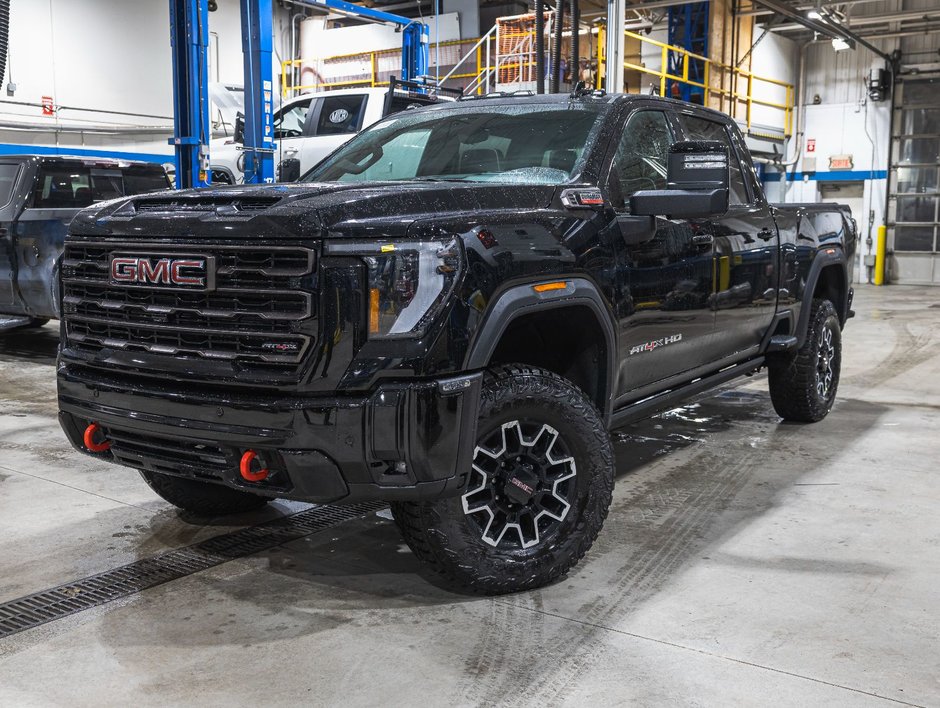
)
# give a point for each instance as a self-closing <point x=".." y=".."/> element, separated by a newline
<point x="39" y="195"/>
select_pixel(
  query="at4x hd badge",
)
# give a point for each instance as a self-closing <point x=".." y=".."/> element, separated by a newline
<point x="655" y="344"/>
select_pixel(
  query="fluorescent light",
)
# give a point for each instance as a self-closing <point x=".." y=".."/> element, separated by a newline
<point x="839" y="44"/>
<point x="814" y="15"/>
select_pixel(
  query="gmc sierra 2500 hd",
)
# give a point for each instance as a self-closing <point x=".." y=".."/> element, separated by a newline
<point x="449" y="313"/>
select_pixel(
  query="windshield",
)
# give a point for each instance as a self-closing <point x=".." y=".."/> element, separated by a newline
<point x="533" y="143"/>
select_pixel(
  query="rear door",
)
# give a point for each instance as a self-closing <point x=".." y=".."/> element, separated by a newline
<point x="665" y="271"/>
<point x="9" y="175"/>
<point x="746" y="247"/>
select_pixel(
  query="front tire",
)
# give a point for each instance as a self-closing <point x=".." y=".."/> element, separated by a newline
<point x="803" y="386"/>
<point x="202" y="498"/>
<point x="539" y="489"/>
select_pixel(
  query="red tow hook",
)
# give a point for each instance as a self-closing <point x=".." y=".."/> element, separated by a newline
<point x="89" y="439"/>
<point x="245" y="468"/>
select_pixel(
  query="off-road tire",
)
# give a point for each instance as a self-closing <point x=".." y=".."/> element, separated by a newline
<point x="202" y="498"/>
<point x="795" y="379"/>
<point x="448" y="540"/>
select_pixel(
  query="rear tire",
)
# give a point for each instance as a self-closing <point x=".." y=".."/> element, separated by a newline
<point x="539" y="489"/>
<point x="803" y="386"/>
<point x="202" y="498"/>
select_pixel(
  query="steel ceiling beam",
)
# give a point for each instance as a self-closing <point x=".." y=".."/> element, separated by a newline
<point x="866" y="20"/>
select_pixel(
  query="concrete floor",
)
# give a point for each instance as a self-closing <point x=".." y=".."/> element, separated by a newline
<point x="745" y="562"/>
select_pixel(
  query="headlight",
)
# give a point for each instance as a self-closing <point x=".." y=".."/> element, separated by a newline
<point x="409" y="282"/>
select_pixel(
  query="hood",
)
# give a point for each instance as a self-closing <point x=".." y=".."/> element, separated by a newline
<point x="327" y="210"/>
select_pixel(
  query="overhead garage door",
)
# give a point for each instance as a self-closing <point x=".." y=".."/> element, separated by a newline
<point x="915" y="181"/>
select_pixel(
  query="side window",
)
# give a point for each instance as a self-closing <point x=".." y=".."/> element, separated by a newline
<point x="640" y="162"/>
<point x="341" y="115"/>
<point x="289" y="121"/>
<point x="8" y="175"/>
<point x="702" y="129"/>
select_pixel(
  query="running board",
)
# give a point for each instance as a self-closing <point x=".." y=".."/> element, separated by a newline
<point x="669" y="399"/>
<point x="8" y="322"/>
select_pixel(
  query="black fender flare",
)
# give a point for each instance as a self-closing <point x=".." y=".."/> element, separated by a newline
<point x="522" y="299"/>
<point x="825" y="257"/>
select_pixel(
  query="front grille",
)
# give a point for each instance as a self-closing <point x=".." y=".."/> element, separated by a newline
<point x="258" y="321"/>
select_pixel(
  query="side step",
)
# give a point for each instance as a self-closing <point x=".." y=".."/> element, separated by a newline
<point x="782" y="343"/>
<point x="8" y="322"/>
<point x="669" y="399"/>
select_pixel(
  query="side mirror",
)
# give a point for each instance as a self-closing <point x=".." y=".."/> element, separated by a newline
<point x="288" y="170"/>
<point x="697" y="180"/>
<point x="239" y="133"/>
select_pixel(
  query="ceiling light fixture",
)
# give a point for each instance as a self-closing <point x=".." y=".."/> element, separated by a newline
<point x="839" y="44"/>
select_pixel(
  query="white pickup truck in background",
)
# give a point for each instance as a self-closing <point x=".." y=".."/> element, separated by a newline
<point x="311" y="126"/>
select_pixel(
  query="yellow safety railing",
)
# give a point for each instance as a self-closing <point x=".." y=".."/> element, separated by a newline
<point x="373" y="74"/>
<point x="712" y="68"/>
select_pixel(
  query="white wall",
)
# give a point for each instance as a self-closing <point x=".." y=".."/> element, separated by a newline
<point x="99" y="59"/>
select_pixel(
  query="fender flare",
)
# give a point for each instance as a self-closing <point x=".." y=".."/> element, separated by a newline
<point x="521" y="300"/>
<point x="825" y="257"/>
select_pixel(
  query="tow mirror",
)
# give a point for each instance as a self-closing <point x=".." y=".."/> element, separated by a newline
<point x="239" y="133"/>
<point x="697" y="181"/>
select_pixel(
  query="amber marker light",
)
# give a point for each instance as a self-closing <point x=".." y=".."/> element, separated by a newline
<point x="548" y="287"/>
<point x="373" y="310"/>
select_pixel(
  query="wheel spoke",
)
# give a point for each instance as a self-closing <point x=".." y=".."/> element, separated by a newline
<point x="521" y="478"/>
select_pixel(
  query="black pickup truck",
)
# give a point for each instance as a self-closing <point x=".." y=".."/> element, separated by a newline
<point x="39" y="195"/>
<point x="449" y="313"/>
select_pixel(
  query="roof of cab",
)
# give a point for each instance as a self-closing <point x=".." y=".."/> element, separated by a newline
<point x="87" y="159"/>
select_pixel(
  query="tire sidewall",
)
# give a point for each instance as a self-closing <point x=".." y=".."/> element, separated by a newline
<point x="826" y="317"/>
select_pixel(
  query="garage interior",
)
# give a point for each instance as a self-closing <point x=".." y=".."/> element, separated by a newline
<point x="745" y="560"/>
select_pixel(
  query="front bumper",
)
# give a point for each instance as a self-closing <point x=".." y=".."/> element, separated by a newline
<point x="404" y="441"/>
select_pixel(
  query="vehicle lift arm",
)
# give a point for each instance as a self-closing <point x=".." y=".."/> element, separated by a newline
<point x="415" y="34"/>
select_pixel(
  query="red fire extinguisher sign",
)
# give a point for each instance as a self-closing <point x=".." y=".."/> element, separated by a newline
<point x="48" y="107"/>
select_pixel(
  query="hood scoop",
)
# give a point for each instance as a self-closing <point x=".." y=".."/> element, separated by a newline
<point x="227" y="206"/>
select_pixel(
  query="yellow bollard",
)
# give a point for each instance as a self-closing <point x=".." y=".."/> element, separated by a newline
<point x="880" y="248"/>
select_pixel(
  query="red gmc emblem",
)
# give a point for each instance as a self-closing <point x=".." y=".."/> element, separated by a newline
<point x="186" y="271"/>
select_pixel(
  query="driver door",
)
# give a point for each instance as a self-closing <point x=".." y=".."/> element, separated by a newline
<point x="665" y="265"/>
<point x="290" y="129"/>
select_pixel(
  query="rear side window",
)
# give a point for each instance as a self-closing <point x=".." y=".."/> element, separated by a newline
<point x="8" y="175"/>
<point x="702" y="129"/>
<point x="341" y="115"/>
<point x="76" y="185"/>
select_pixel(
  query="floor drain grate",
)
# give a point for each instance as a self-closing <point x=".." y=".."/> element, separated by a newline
<point x="49" y="605"/>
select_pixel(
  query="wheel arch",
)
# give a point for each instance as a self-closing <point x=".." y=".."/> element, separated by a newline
<point x="580" y="333"/>
<point x="828" y="278"/>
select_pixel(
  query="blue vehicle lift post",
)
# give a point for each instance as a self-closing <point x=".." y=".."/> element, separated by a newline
<point x="257" y="38"/>
<point x="189" y="38"/>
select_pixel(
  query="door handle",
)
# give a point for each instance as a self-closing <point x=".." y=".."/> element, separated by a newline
<point x="766" y="234"/>
<point x="703" y="240"/>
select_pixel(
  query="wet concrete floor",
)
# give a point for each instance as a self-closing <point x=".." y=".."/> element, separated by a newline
<point x="745" y="561"/>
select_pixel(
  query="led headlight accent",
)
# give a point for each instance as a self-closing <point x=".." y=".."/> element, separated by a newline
<point x="408" y="282"/>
